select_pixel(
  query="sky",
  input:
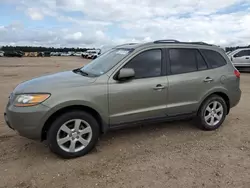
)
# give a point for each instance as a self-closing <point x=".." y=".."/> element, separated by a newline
<point x="103" y="23"/>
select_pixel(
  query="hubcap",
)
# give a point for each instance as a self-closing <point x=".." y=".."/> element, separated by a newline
<point x="74" y="135"/>
<point x="213" y="113"/>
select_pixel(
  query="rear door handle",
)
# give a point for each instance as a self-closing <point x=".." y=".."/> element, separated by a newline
<point x="159" y="87"/>
<point x="208" y="79"/>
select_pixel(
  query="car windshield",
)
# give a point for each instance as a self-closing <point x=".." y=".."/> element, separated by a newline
<point x="106" y="61"/>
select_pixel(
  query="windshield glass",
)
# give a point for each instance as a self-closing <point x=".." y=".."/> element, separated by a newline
<point x="106" y="61"/>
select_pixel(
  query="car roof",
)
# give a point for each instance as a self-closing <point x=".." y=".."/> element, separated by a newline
<point x="238" y="50"/>
<point x="168" y="43"/>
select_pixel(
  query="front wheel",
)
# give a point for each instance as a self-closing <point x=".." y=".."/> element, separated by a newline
<point x="73" y="134"/>
<point x="212" y="113"/>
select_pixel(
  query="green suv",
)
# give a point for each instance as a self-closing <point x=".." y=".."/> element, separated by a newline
<point x="128" y="85"/>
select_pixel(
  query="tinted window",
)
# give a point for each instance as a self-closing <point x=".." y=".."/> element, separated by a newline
<point x="182" y="60"/>
<point x="242" y="53"/>
<point x="201" y="64"/>
<point x="146" y="64"/>
<point x="214" y="58"/>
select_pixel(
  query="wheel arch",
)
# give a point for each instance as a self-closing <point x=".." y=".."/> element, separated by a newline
<point x="222" y="95"/>
<point x="59" y="112"/>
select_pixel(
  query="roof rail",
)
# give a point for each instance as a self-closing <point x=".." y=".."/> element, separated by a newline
<point x="176" y="41"/>
<point x="125" y="44"/>
<point x="166" y="41"/>
<point x="202" y="43"/>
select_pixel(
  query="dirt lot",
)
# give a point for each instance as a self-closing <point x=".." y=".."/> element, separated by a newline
<point x="163" y="155"/>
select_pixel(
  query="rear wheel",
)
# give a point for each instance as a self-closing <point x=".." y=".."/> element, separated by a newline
<point x="212" y="113"/>
<point x="73" y="134"/>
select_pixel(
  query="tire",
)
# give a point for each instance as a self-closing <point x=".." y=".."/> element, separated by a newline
<point x="205" y="116"/>
<point x="64" y="127"/>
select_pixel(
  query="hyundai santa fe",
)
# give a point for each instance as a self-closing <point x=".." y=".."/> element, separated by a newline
<point x="129" y="84"/>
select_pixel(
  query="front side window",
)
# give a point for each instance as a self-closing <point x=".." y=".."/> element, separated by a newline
<point x="146" y="64"/>
<point x="214" y="58"/>
<point x="106" y="61"/>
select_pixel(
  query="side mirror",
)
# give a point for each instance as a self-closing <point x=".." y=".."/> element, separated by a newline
<point x="125" y="74"/>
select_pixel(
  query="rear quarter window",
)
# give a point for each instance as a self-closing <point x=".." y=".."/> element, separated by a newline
<point x="215" y="59"/>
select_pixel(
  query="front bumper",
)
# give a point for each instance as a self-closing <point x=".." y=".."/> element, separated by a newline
<point x="27" y="121"/>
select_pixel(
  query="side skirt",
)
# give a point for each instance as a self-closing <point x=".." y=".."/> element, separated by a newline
<point x="151" y="121"/>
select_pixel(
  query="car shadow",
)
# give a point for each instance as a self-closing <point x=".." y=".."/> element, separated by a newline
<point x="135" y="133"/>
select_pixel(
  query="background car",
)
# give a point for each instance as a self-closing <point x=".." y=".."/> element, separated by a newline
<point x="14" y="54"/>
<point x="93" y="54"/>
<point x="65" y="54"/>
<point x="1" y="53"/>
<point x="77" y="54"/>
<point x="241" y="58"/>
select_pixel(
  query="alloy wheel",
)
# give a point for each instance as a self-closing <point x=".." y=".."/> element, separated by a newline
<point x="74" y="135"/>
<point x="213" y="113"/>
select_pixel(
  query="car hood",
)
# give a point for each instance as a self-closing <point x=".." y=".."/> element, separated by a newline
<point x="52" y="82"/>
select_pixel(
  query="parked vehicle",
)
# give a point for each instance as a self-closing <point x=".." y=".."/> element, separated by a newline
<point x="14" y="54"/>
<point x="65" y="54"/>
<point x="40" y="54"/>
<point x="44" y="54"/>
<point x="78" y="54"/>
<point x="241" y="58"/>
<point x="93" y="55"/>
<point x="84" y="54"/>
<point x="129" y="85"/>
<point x="55" y="53"/>
<point x="1" y="53"/>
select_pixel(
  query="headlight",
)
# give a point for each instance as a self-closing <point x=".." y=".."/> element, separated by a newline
<point x="30" y="99"/>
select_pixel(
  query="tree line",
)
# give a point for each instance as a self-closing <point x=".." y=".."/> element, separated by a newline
<point x="52" y="49"/>
<point x="41" y="49"/>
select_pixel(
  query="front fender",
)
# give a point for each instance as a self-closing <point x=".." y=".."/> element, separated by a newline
<point x="76" y="103"/>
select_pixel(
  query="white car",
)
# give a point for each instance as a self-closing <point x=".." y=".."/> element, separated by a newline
<point x="93" y="55"/>
<point x="65" y="54"/>
<point x="1" y="53"/>
<point x="77" y="54"/>
<point x="240" y="58"/>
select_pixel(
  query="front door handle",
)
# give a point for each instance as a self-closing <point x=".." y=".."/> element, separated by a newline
<point x="247" y="57"/>
<point x="208" y="79"/>
<point x="159" y="87"/>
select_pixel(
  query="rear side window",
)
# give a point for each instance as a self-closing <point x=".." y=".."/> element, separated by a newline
<point x="186" y="60"/>
<point x="214" y="58"/>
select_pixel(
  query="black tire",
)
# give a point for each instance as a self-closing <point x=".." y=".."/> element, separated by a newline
<point x="201" y="122"/>
<point x="52" y="133"/>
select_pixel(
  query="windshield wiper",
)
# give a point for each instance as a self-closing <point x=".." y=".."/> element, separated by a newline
<point x="80" y="71"/>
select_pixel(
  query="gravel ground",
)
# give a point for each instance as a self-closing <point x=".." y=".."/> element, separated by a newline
<point x="173" y="154"/>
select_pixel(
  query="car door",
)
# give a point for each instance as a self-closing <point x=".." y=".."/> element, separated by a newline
<point x="242" y="58"/>
<point x="144" y="96"/>
<point x="190" y="78"/>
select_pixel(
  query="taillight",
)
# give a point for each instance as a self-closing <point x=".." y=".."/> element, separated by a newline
<point x="237" y="73"/>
